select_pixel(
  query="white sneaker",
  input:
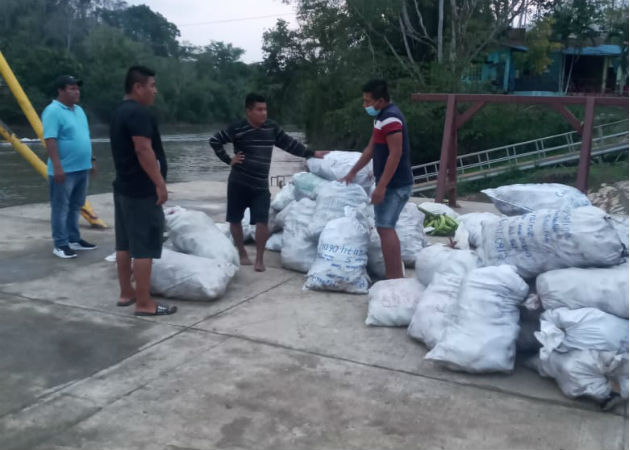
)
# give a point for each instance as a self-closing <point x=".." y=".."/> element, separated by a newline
<point x="64" y="252"/>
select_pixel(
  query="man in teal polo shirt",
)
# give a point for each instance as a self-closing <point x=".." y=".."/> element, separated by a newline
<point x="69" y="162"/>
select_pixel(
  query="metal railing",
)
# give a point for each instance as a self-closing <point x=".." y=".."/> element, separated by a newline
<point x="537" y="152"/>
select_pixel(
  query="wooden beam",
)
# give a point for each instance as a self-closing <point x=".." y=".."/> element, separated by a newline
<point x="449" y="125"/>
<point x="469" y="113"/>
<point x="564" y="112"/>
<point x="585" y="150"/>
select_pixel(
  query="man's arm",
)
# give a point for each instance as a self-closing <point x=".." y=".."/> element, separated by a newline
<point x="394" y="144"/>
<point x="149" y="163"/>
<point x="218" y="141"/>
<point x="53" y="154"/>
<point x="293" y="146"/>
<point x="365" y="158"/>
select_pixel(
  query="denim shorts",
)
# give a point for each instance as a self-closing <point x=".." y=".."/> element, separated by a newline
<point x="387" y="212"/>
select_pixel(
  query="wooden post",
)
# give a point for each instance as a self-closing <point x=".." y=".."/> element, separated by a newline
<point x="452" y="170"/>
<point x="585" y="150"/>
<point x="447" y="139"/>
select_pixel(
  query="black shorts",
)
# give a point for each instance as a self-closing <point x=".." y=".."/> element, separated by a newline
<point x="139" y="226"/>
<point x="241" y="197"/>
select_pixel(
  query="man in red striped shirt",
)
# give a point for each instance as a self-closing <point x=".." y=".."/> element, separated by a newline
<point x="389" y="150"/>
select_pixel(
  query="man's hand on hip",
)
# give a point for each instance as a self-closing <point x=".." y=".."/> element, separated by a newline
<point x="238" y="159"/>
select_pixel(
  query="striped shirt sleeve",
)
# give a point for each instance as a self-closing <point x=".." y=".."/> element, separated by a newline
<point x="290" y="145"/>
<point x="219" y="140"/>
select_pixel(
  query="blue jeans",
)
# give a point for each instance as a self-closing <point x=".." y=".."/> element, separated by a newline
<point x="387" y="213"/>
<point x="66" y="200"/>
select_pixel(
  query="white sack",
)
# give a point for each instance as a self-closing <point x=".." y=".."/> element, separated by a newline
<point x="342" y="255"/>
<point x="195" y="233"/>
<point x="438" y="208"/>
<point x="336" y="165"/>
<point x="298" y="251"/>
<point x="436" y="309"/>
<point x="190" y="277"/>
<point x="621" y="227"/>
<point x="410" y="231"/>
<point x="274" y="243"/>
<point x="376" y="262"/>
<point x="393" y="302"/>
<point x="549" y="239"/>
<point x="332" y="199"/>
<point x="483" y="336"/>
<point x="517" y="199"/>
<point x="307" y="185"/>
<point x="284" y="197"/>
<point x="249" y="230"/>
<point x="281" y="217"/>
<point x="564" y="329"/>
<point x="605" y="289"/>
<point x="473" y="223"/>
<point x="440" y="258"/>
<point x="582" y="372"/>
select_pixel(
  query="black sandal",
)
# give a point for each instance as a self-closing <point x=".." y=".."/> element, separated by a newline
<point x="160" y="310"/>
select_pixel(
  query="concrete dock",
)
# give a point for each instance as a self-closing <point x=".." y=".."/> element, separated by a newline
<point x="269" y="366"/>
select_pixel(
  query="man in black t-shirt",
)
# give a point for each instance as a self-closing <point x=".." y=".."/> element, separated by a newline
<point x="248" y="184"/>
<point x="139" y="191"/>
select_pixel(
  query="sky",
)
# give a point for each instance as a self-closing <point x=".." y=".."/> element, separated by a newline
<point x="238" y="22"/>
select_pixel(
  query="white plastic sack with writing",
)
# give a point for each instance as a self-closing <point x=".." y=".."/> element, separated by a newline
<point x="195" y="233"/>
<point x="284" y="197"/>
<point x="483" y="336"/>
<point x="274" y="243"/>
<point x="564" y="329"/>
<point x="410" y="231"/>
<point x="307" y="185"/>
<point x="342" y="255"/>
<point x="332" y="200"/>
<point x="438" y="208"/>
<point x="190" y="277"/>
<point x="440" y="258"/>
<point x="336" y="165"/>
<point x="552" y="239"/>
<point x="298" y="251"/>
<point x="517" y="199"/>
<point x="473" y="224"/>
<point x="582" y="372"/>
<point x="393" y="302"/>
<point x="605" y="289"/>
<point x="436" y="309"/>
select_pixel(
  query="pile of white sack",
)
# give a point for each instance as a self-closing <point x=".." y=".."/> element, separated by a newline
<point x="550" y="277"/>
<point x="198" y="260"/>
<point x="325" y="228"/>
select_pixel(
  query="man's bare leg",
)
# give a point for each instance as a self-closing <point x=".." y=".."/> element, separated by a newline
<point x="391" y="252"/>
<point x="123" y="266"/>
<point x="262" y="234"/>
<point x="142" y="272"/>
<point x="237" y="234"/>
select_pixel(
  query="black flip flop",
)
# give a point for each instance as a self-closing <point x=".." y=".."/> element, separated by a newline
<point x="160" y="310"/>
<point x="129" y="302"/>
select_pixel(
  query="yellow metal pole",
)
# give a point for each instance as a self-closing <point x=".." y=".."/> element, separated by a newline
<point x="21" y="98"/>
<point x="86" y="211"/>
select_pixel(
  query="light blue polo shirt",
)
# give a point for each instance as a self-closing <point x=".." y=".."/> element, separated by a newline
<point x="70" y="127"/>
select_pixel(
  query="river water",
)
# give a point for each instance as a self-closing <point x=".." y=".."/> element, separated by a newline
<point x="189" y="157"/>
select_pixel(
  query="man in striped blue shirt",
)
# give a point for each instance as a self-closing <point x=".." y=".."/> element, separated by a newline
<point x="248" y="184"/>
